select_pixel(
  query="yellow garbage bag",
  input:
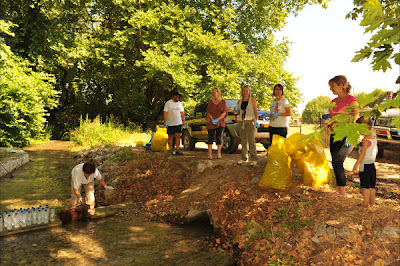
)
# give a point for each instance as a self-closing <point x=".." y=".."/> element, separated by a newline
<point x="314" y="168"/>
<point x="139" y="144"/>
<point x="278" y="172"/>
<point x="294" y="144"/>
<point x="160" y="140"/>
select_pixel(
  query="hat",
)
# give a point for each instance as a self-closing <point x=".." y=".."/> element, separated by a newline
<point x="176" y="93"/>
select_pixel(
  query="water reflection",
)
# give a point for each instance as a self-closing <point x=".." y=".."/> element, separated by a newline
<point x="117" y="240"/>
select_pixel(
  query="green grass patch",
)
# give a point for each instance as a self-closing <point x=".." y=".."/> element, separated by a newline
<point x="93" y="133"/>
<point x="303" y="128"/>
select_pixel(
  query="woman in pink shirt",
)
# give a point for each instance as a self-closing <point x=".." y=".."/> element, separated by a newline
<point x="341" y="149"/>
<point x="216" y="112"/>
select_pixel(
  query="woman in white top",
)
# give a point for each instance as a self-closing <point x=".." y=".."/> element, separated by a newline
<point x="247" y="117"/>
<point x="280" y="113"/>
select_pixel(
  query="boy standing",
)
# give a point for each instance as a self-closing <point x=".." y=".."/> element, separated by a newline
<point x="366" y="165"/>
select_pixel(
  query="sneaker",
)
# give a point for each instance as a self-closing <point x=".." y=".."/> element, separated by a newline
<point x="241" y="162"/>
<point x="170" y="152"/>
<point x="253" y="163"/>
<point x="178" y="152"/>
<point x="356" y="180"/>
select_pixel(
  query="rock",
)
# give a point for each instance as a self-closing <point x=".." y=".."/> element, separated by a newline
<point x="18" y="159"/>
<point x="197" y="216"/>
<point x="391" y="231"/>
<point x="109" y="194"/>
<point x="203" y="165"/>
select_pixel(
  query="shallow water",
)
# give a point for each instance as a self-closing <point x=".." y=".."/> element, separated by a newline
<point x="125" y="239"/>
<point x="44" y="180"/>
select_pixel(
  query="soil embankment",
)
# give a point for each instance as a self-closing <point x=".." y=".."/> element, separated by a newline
<point x="300" y="225"/>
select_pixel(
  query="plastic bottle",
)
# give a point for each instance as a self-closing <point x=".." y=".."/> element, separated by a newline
<point x="38" y="217"/>
<point x="52" y="214"/>
<point x="1" y="223"/>
<point x="43" y="215"/>
<point x="16" y="224"/>
<point x="9" y="222"/>
<point x="34" y="216"/>
<point x="46" y="215"/>
<point x="28" y="218"/>
<point x="22" y="219"/>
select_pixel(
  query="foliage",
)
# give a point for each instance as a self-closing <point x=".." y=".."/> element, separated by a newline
<point x="97" y="133"/>
<point x="125" y="57"/>
<point x="25" y="97"/>
<point x="381" y="18"/>
<point x="314" y="109"/>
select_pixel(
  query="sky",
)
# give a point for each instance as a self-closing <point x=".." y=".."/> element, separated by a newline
<point x="323" y="44"/>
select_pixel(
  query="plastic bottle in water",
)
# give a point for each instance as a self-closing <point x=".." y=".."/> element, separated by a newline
<point x="22" y="219"/>
<point x="28" y="218"/>
<point x="52" y="214"/>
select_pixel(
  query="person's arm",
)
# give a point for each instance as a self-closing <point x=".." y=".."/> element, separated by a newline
<point x="208" y="112"/>
<point x="288" y="112"/>
<point x="77" y="193"/>
<point x="238" y="108"/>
<point x="102" y="182"/>
<point x="365" y="145"/>
<point x="355" y="112"/>
<point x="183" y="117"/>
<point x="254" y="102"/>
<point x="165" y="116"/>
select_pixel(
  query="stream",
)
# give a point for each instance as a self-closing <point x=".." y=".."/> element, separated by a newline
<point x="124" y="239"/>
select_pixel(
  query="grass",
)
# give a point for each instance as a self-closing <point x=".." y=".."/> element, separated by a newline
<point x="303" y="128"/>
<point x="93" y="133"/>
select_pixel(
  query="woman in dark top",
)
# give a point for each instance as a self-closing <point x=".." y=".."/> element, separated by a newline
<point x="216" y="113"/>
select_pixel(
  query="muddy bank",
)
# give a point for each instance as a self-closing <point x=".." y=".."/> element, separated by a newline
<point x="300" y="225"/>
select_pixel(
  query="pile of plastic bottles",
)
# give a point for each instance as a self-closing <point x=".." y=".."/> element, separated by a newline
<point x="24" y="218"/>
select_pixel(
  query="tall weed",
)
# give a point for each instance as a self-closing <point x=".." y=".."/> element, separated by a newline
<point x="95" y="132"/>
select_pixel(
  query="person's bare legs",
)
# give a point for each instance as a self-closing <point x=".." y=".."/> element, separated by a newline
<point x="341" y="190"/>
<point x="219" y="148"/>
<point x="210" y="151"/>
<point x="171" y="142"/>
<point x="372" y="196"/>
<point x="366" y="196"/>
<point x="177" y="141"/>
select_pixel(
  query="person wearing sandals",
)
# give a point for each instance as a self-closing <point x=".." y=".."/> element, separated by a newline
<point x="174" y="117"/>
<point x="216" y="113"/>
<point x="247" y="123"/>
<point x="280" y="113"/>
<point x="365" y="164"/>
<point x="341" y="149"/>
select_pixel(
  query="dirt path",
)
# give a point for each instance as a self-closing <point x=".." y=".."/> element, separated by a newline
<point x="300" y="225"/>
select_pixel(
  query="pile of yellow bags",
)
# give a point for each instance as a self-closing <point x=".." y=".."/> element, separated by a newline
<point x="160" y="140"/>
<point x="309" y="158"/>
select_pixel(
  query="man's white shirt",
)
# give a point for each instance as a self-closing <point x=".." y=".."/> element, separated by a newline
<point x="78" y="179"/>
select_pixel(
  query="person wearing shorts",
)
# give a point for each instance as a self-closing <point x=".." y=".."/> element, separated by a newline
<point x="174" y="117"/>
<point x="365" y="164"/>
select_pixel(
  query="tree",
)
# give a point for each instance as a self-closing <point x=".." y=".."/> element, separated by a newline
<point x="314" y="109"/>
<point x="25" y="97"/>
<point x="123" y="58"/>
<point x="382" y="18"/>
